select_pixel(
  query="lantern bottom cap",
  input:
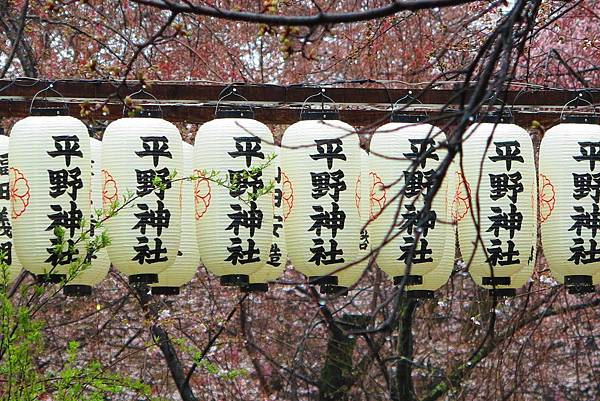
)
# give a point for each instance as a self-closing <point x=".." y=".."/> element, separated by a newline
<point x="579" y="280"/>
<point x="419" y="294"/>
<point x="334" y="289"/>
<point x="77" y="290"/>
<point x="255" y="287"/>
<point x="147" y="278"/>
<point x="581" y="289"/>
<point x="234" y="280"/>
<point x="503" y="292"/>
<point x="164" y="290"/>
<point x="323" y="280"/>
<point x="410" y="279"/>
<point x="50" y="278"/>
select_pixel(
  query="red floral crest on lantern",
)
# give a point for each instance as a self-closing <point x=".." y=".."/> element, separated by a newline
<point x="547" y="198"/>
<point x="202" y="194"/>
<point x="460" y="204"/>
<point x="287" y="190"/>
<point x="19" y="192"/>
<point x="377" y="195"/>
<point x="110" y="190"/>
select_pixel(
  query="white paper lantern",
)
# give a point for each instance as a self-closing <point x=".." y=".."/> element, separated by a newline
<point x="233" y="225"/>
<point x="405" y="157"/>
<point x="500" y="172"/>
<point x="321" y="159"/>
<point x="275" y="266"/>
<point x="49" y="166"/>
<point x="145" y="235"/>
<point x="569" y="185"/>
<point x="188" y="257"/>
<point x="82" y="283"/>
<point x="13" y="266"/>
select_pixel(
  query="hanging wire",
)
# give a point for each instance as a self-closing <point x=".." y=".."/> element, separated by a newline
<point x="404" y="117"/>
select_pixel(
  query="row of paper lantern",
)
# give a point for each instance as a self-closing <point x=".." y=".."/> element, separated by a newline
<point x="326" y="190"/>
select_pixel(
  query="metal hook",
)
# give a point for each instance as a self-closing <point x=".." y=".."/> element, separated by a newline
<point x="48" y="111"/>
<point x="231" y="91"/>
<point x="577" y="99"/>
<point x="143" y="91"/>
<point x="323" y="114"/>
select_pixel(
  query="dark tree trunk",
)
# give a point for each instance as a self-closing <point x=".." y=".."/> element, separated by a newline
<point x="402" y="386"/>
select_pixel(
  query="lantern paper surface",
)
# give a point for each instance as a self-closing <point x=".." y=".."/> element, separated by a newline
<point x="100" y="262"/>
<point x="404" y="161"/>
<point x="13" y="266"/>
<point x="233" y="225"/>
<point x="569" y="201"/>
<point x="322" y="162"/>
<point x="507" y="197"/>
<point x="275" y="266"/>
<point x="349" y="277"/>
<point x="188" y="258"/>
<point x="49" y="166"/>
<point x="145" y="235"/>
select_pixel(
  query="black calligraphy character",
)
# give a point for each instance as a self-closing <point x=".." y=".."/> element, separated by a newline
<point x="333" y="220"/>
<point x="496" y="256"/>
<point x="329" y="149"/>
<point x="508" y="221"/>
<point x="590" y="151"/>
<point x="277" y="225"/>
<point x="508" y="151"/>
<point x="421" y="150"/>
<point x="68" y="219"/>
<point x="242" y="180"/>
<point x="364" y="240"/>
<point x="586" y="220"/>
<point x="6" y="253"/>
<point x="145" y="181"/>
<point x="155" y="146"/>
<point x="420" y="254"/>
<point x="581" y="255"/>
<point x="323" y="183"/>
<point x="583" y="184"/>
<point x="157" y="219"/>
<point x="250" y="219"/>
<point x="4" y="164"/>
<point x="274" y="256"/>
<point x="61" y="180"/>
<point x="5" y="227"/>
<point x="61" y="255"/>
<point x="248" y="147"/>
<point x="146" y="255"/>
<point x="501" y="184"/>
<point x="423" y="221"/>
<point x="416" y="181"/>
<point x="67" y="146"/>
<point x="237" y="254"/>
<point x="4" y="191"/>
<point x="326" y="256"/>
